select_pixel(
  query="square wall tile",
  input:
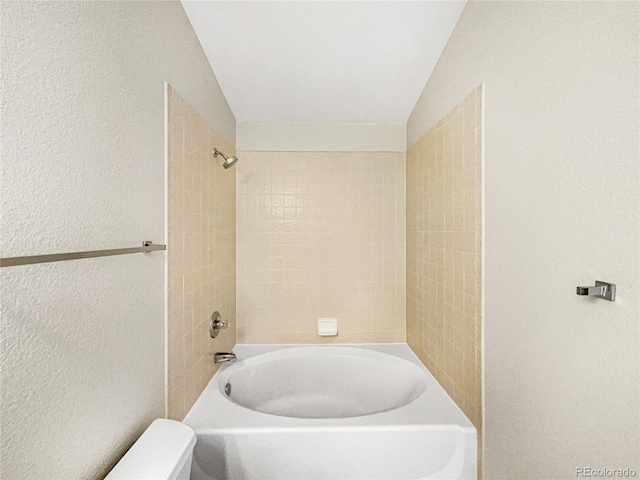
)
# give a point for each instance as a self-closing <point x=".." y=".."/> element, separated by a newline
<point x="201" y="249"/>
<point x="321" y="235"/>
<point x="444" y="252"/>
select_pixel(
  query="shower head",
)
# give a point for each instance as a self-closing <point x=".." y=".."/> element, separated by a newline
<point x="228" y="161"/>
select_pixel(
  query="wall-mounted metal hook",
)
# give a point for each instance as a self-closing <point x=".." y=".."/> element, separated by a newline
<point x="601" y="289"/>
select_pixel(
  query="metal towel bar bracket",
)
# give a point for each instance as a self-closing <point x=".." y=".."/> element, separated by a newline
<point x="147" y="246"/>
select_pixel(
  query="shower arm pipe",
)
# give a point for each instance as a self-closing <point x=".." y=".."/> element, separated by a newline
<point x="147" y="247"/>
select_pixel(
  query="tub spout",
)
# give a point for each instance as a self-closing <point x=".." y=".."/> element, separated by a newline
<point x="222" y="357"/>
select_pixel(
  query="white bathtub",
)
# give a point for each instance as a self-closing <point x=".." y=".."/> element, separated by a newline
<point x="329" y="412"/>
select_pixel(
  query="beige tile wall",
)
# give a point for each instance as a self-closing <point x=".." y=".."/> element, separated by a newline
<point x="321" y="235"/>
<point x="201" y="252"/>
<point x="444" y="252"/>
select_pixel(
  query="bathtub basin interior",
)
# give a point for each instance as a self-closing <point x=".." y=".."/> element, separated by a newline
<point x="323" y="382"/>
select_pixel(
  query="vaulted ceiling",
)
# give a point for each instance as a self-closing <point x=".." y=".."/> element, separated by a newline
<point x="325" y="61"/>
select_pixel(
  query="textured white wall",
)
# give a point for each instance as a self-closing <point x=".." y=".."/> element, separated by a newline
<point x="321" y="137"/>
<point x="561" y="209"/>
<point x="83" y="168"/>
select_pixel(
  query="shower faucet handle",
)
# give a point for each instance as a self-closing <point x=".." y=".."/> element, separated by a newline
<point x="216" y="323"/>
<point x="601" y="289"/>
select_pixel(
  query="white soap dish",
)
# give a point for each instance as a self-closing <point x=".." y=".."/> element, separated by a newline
<point x="327" y="327"/>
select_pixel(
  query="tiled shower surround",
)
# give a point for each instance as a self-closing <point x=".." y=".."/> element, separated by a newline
<point x="201" y="251"/>
<point x="444" y="262"/>
<point x="321" y="234"/>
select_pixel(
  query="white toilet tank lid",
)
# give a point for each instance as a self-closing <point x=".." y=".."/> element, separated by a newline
<point x="159" y="453"/>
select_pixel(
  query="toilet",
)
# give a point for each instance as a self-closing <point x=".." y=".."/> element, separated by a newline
<point x="163" y="452"/>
